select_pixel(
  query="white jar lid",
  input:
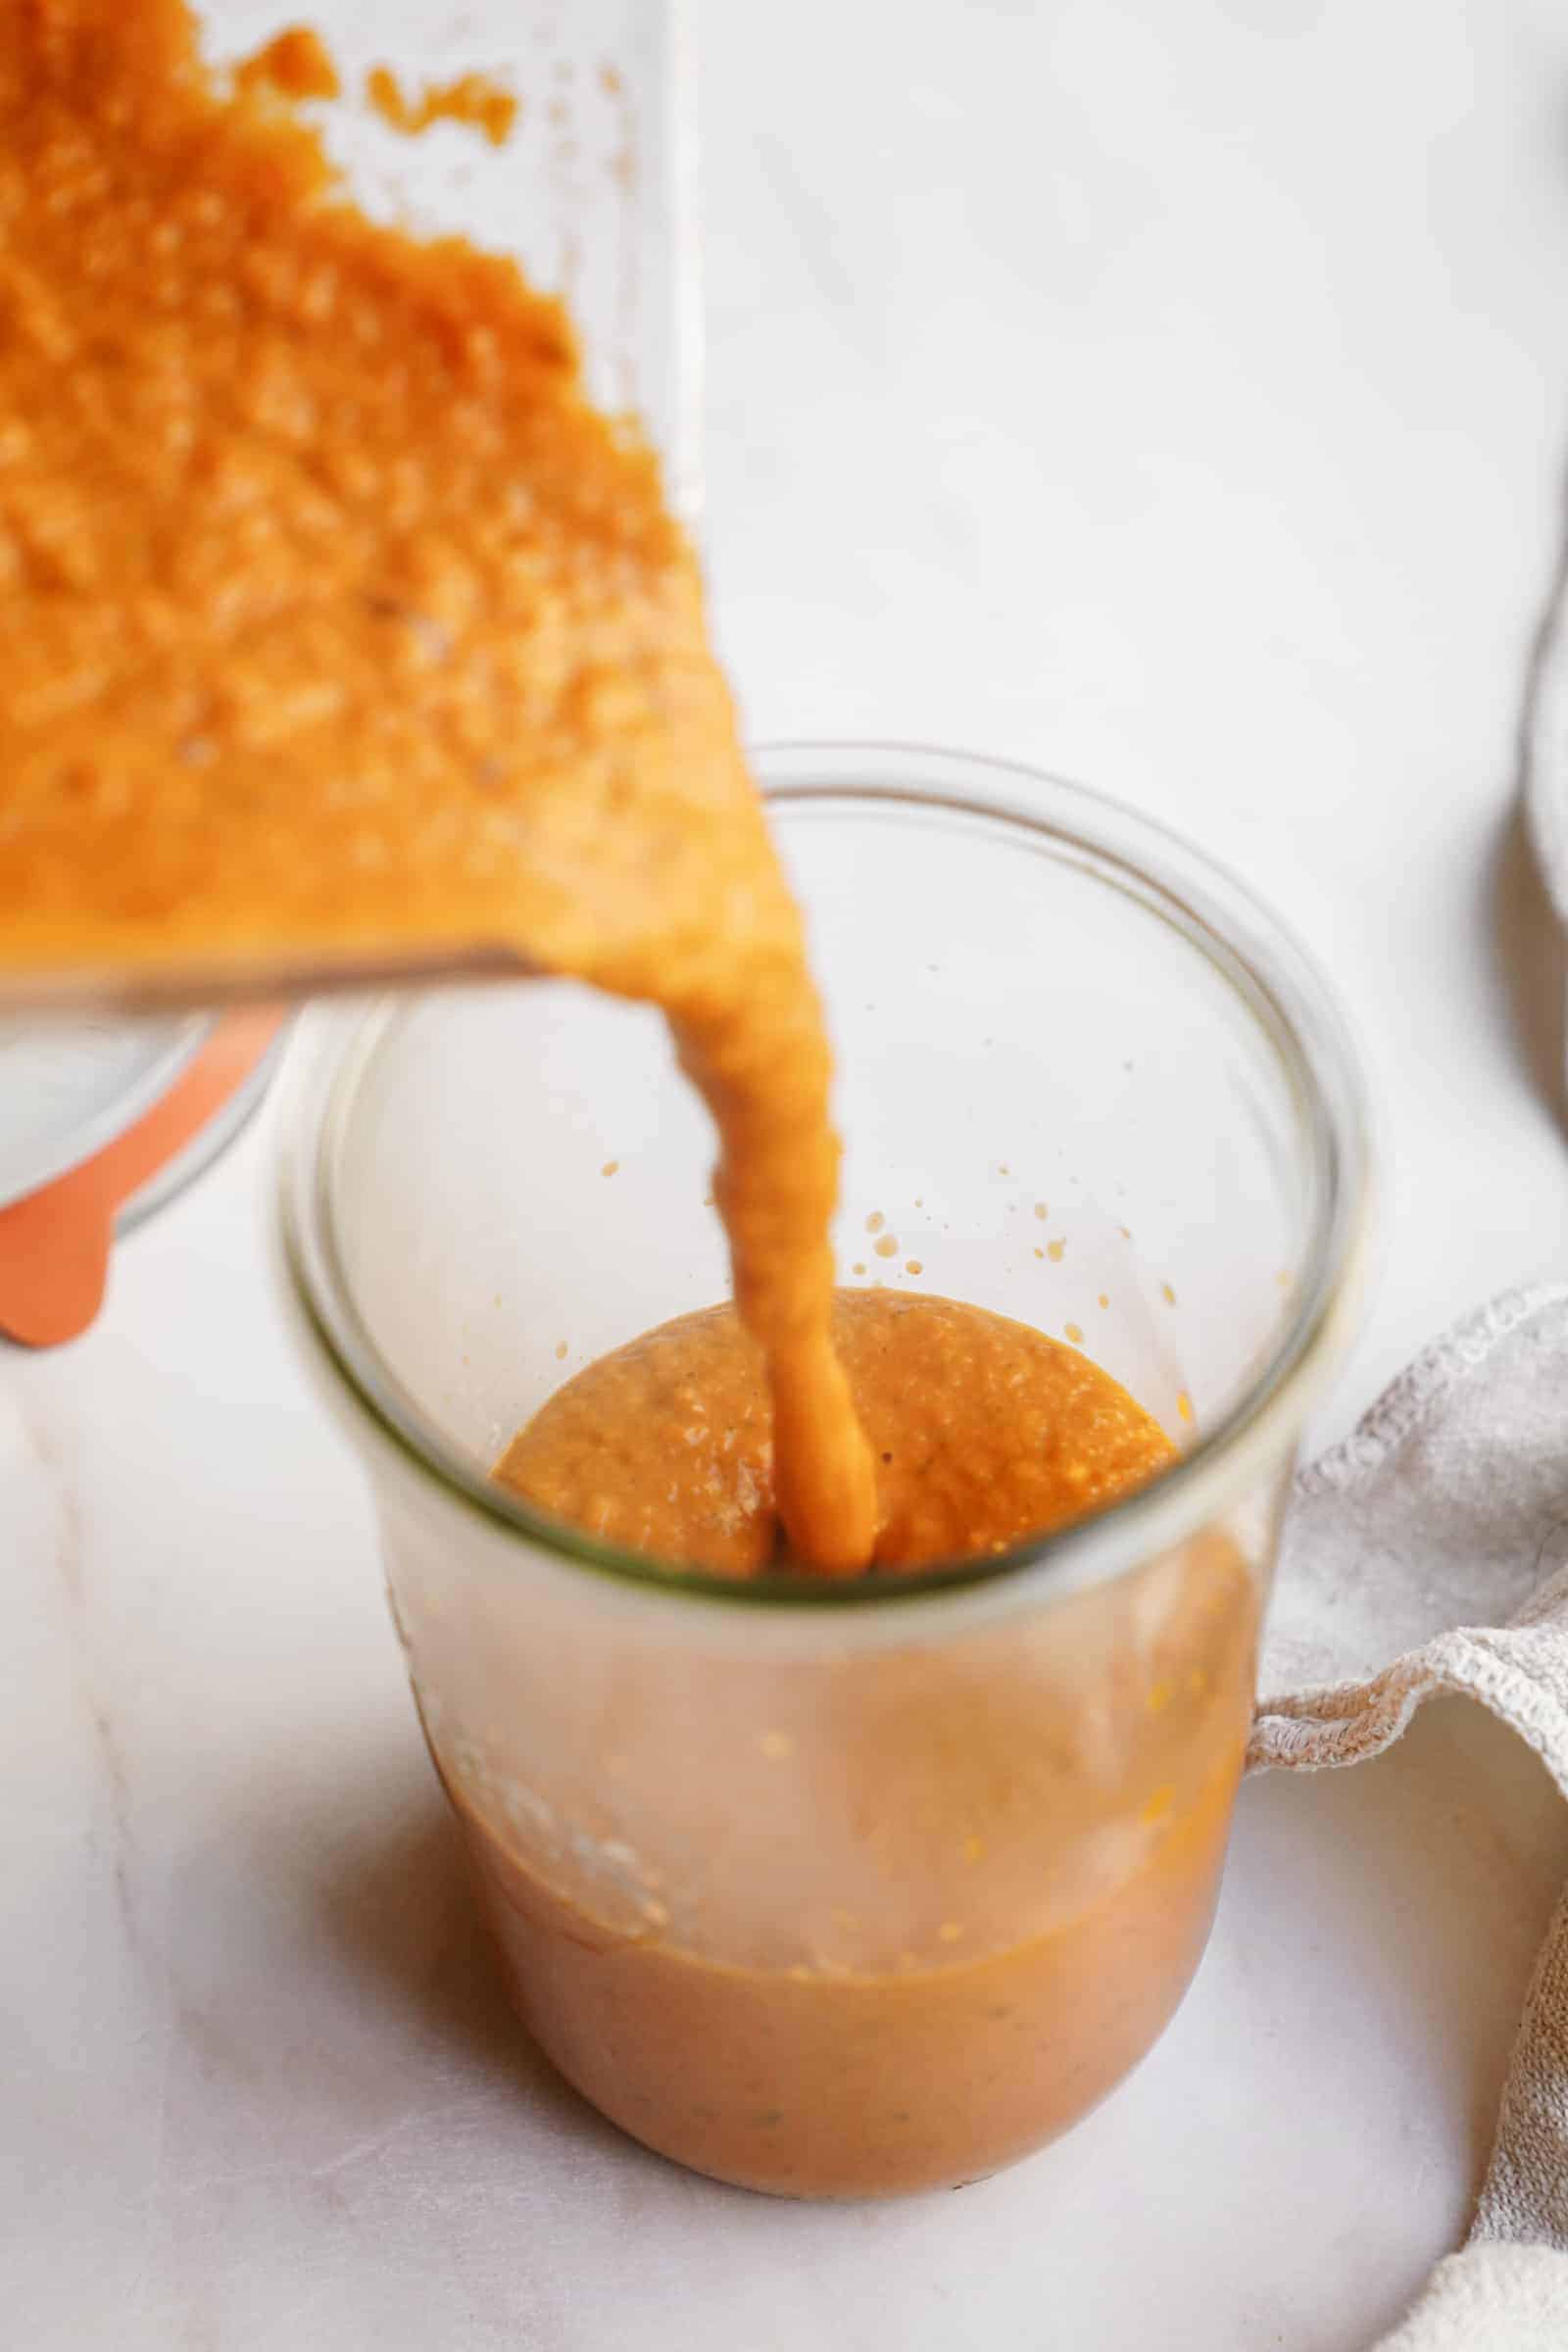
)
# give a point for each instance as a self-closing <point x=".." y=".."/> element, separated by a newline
<point x="67" y="1088"/>
<point x="101" y="1123"/>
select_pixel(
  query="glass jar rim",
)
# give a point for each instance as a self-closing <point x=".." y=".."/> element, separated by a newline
<point x="1279" y="983"/>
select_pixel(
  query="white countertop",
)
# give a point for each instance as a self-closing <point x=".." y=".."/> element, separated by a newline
<point x="1173" y="396"/>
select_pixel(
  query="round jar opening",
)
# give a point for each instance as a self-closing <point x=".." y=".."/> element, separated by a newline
<point x="1040" y="1002"/>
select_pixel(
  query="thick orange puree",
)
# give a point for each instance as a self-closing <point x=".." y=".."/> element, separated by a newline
<point x="983" y="1432"/>
<point x="924" y="1907"/>
<point x="872" y="1924"/>
<point x="332" y="617"/>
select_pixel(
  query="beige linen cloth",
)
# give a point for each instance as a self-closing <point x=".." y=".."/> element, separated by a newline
<point x="1437" y="1535"/>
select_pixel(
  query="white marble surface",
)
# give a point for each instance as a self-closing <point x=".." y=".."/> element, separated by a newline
<point x="1172" y="396"/>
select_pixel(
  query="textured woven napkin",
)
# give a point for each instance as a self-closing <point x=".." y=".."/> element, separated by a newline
<point x="1437" y="1537"/>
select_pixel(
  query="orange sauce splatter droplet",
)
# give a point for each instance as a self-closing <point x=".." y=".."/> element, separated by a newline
<point x="887" y="1246"/>
<point x="561" y="1351"/>
<point x="1075" y="1333"/>
<point x="914" y="1266"/>
<point x="1167" y="1294"/>
<point x="609" y="1167"/>
<point x="1056" y="1251"/>
<point x="472" y="98"/>
<point x="1042" y="1212"/>
<point x="294" y="63"/>
<point x="875" y="1221"/>
<point x="1184" y="1406"/>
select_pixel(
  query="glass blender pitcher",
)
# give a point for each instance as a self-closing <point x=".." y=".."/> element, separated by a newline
<point x="102" y="1118"/>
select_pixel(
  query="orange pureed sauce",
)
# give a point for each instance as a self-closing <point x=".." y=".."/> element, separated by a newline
<point x="841" y="1920"/>
<point x="333" y="617"/>
<point x="970" y="1880"/>
<point x="973" y="1878"/>
<point x="875" y="2069"/>
<point x="983" y="1432"/>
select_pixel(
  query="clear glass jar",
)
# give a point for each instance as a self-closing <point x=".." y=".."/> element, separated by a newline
<point x="837" y="1889"/>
